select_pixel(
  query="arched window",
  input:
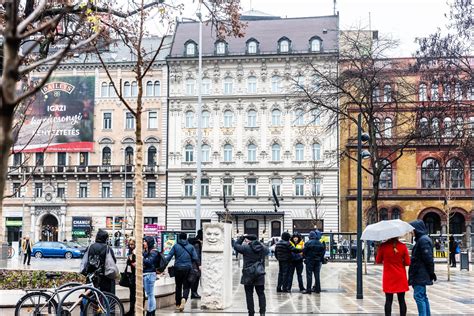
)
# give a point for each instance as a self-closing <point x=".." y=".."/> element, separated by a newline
<point x="205" y="119"/>
<point x="316" y="151"/>
<point x="252" y="152"/>
<point x="189" y="153"/>
<point x="151" y="156"/>
<point x="149" y="89"/>
<point x="385" y="179"/>
<point x="112" y="92"/>
<point x="227" y="152"/>
<point x="252" y="118"/>
<point x="315" y="45"/>
<point x="221" y="48"/>
<point x="377" y="127"/>
<point x="228" y="85"/>
<point x="276" y="152"/>
<point x="206" y="150"/>
<point x="156" y="88"/>
<point x="388" y="124"/>
<point x="435" y="127"/>
<point x="127" y="89"/>
<point x="189" y="123"/>
<point x="315" y="117"/>
<point x="424" y="127"/>
<point x="387" y="93"/>
<point x="396" y="214"/>
<point x="276" y="117"/>
<point x="432" y="222"/>
<point x="422" y="96"/>
<point x="448" y="128"/>
<point x="129" y="156"/>
<point x="190" y="49"/>
<point x="372" y="216"/>
<point x="383" y="214"/>
<point x="134" y="89"/>
<point x="376" y="94"/>
<point x="276" y="84"/>
<point x="104" y="90"/>
<point x="459" y="127"/>
<point x="228" y="118"/>
<point x="430" y="174"/>
<point x="299" y="152"/>
<point x="434" y="92"/>
<point x="106" y="156"/>
<point x="284" y="46"/>
<point x="299" y="117"/>
<point x="252" y="84"/>
<point x="455" y="174"/>
<point x="252" y="47"/>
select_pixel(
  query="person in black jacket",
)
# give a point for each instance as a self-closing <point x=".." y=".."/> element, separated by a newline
<point x="150" y="263"/>
<point x="131" y="262"/>
<point x="297" y="262"/>
<point x="313" y="253"/>
<point x="452" y="251"/>
<point x="283" y="253"/>
<point x="99" y="250"/>
<point x="421" y="272"/>
<point x="197" y="243"/>
<point x="254" y="253"/>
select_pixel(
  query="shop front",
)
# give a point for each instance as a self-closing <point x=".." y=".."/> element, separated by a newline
<point x="14" y="228"/>
<point x="81" y="228"/>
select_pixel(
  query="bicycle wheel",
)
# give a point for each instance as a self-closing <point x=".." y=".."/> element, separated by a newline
<point x="92" y="308"/>
<point x="36" y="303"/>
<point x="93" y="293"/>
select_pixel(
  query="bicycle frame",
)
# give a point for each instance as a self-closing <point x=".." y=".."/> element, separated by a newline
<point x="88" y="289"/>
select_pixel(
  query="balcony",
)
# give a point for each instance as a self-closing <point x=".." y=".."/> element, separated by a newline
<point x="74" y="170"/>
<point x="414" y="194"/>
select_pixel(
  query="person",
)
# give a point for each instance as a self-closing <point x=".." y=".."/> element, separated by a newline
<point x="252" y="252"/>
<point x="131" y="262"/>
<point x="99" y="249"/>
<point x="283" y="250"/>
<point x="197" y="243"/>
<point x="150" y="258"/>
<point x="452" y="251"/>
<point x="313" y="253"/>
<point x="394" y="256"/>
<point x="437" y="246"/>
<point x="26" y="247"/>
<point x="185" y="255"/>
<point x="296" y="263"/>
<point x="443" y="248"/>
<point x="421" y="272"/>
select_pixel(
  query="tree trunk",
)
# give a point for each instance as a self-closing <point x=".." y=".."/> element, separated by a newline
<point x="5" y="145"/>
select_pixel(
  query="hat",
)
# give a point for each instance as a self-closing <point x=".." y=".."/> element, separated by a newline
<point x="286" y="236"/>
<point x="183" y="236"/>
<point x="251" y="237"/>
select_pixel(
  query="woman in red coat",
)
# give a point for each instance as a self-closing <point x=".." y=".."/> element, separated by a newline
<point x="394" y="256"/>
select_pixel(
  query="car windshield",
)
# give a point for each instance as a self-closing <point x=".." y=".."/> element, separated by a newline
<point x="73" y="244"/>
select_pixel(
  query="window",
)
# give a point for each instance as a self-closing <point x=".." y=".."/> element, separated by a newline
<point x="228" y="119"/>
<point x="112" y="92"/>
<point x="435" y="127"/>
<point x="151" y="190"/>
<point x="188" y="187"/>
<point x="305" y="226"/>
<point x="383" y="214"/>
<point x="83" y="159"/>
<point x="252" y="152"/>
<point x="377" y="127"/>
<point x="424" y="127"/>
<point x="387" y="132"/>
<point x="104" y="90"/>
<point x="151" y="157"/>
<point x="471" y="125"/>
<point x="106" y="156"/>
<point x="299" y="117"/>
<point x="189" y="153"/>
<point x="276" y="84"/>
<point x="227" y="152"/>
<point x="129" y="121"/>
<point x="276" y="186"/>
<point x="276" y="152"/>
<point x="299" y="187"/>
<point x="62" y="157"/>
<point x="190" y="87"/>
<point x="276" y="117"/>
<point x="251" y="187"/>
<point x="82" y="189"/>
<point x="134" y="89"/>
<point x="205" y="119"/>
<point x="434" y="92"/>
<point x="396" y="214"/>
<point x="448" y="128"/>
<point x="129" y="156"/>
<point x="17" y="190"/>
<point x="252" y="118"/>
<point x="149" y="89"/>
<point x="315" y="45"/>
<point x="471" y="92"/>
<point x="204" y="187"/>
<point x="316" y="151"/>
<point x="206" y="150"/>
<point x="190" y="49"/>
<point x="299" y="152"/>
<point x="206" y="86"/>
<point x="430" y="174"/>
<point x="190" y="224"/>
<point x="152" y="119"/>
<point x="387" y="93"/>
<point x="189" y="122"/>
<point x="17" y="159"/>
<point x="315" y="117"/>
<point x="129" y="189"/>
<point x="252" y="84"/>
<point x="276" y="229"/>
<point x="107" y="120"/>
<point x="385" y="179"/>
<point x="458" y="91"/>
<point x="220" y="48"/>
<point x="455" y="174"/>
<point x="300" y="82"/>
<point x="228" y="85"/>
<point x="156" y="88"/>
<point x="376" y="94"/>
<point x="227" y="187"/>
<point x="459" y="127"/>
<point x="252" y="47"/>
<point x="106" y="190"/>
<point x="127" y="89"/>
<point x="61" y="191"/>
<point x="446" y="92"/>
<point x="422" y="92"/>
<point x="284" y="46"/>
<point x="39" y="159"/>
<point x="316" y="187"/>
<point x="38" y="190"/>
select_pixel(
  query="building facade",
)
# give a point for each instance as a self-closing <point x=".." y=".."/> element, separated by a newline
<point x="255" y="136"/>
<point x="70" y="193"/>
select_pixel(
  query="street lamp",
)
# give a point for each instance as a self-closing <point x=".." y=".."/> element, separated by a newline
<point x="361" y="154"/>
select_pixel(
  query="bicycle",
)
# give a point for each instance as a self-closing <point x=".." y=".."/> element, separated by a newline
<point x="91" y="302"/>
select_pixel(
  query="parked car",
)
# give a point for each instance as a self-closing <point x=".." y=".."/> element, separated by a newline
<point x="55" y="249"/>
<point x="76" y="245"/>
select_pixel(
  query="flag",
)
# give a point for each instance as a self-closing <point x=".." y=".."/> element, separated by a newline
<point x="275" y="197"/>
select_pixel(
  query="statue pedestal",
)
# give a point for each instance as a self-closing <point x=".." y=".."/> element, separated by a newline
<point x="216" y="269"/>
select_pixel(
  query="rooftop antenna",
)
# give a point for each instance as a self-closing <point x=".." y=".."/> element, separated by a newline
<point x="334" y="7"/>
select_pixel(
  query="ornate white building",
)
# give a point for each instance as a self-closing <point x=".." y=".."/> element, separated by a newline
<point x="255" y="137"/>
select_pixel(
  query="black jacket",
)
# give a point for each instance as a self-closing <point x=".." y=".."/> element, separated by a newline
<point x="150" y="257"/>
<point x="421" y="271"/>
<point x="100" y="248"/>
<point x="283" y="251"/>
<point x="314" y="251"/>
<point x="253" y="252"/>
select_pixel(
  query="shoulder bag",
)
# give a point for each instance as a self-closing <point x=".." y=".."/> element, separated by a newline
<point x="111" y="270"/>
<point x="125" y="278"/>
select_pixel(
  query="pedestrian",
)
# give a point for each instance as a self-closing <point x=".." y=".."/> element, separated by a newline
<point x="421" y="272"/>
<point x="197" y="243"/>
<point x="452" y="251"/>
<point x="394" y="256"/>
<point x="443" y="248"/>
<point x="26" y="247"/>
<point x="296" y="263"/>
<point x="131" y="262"/>
<point x="254" y="253"/>
<point x="313" y="253"/>
<point x="150" y="262"/>
<point x="283" y="250"/>
<point x="185" y="255"/>
<point x="437" y="246"/>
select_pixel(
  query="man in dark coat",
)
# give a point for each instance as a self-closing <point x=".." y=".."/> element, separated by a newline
<point x="283" y="253"/>
<point x="421" y="272"/>
<point x="99" y="248"/>
<point x="253" y="252"/>
<point x="197" y="243"/>
<point x="452" y="251"/>
<point x="313" y="253"/>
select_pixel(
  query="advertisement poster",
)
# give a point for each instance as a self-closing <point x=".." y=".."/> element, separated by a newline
<point x="169" y="239"/>
<point x="60" y="117"/>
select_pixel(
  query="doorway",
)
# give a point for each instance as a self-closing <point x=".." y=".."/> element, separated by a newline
<point x="49" y="228"/>
<point x="276" y="229"/>
<point x="251" y="227"/>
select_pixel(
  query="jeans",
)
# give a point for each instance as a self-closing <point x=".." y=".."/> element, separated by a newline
<point x="421" y="300"/>
<point x="262" y="303"/>
<point x="182" y="284"/>
<point x="298" y="266"/>
<point x="313" y="267"/>
<point x="149" y="279"/>
<point x="284" y="268"/>
<point x="27" y="256"/>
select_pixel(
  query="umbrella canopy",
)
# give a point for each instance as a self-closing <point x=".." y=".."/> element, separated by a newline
<point x="385" y="230"/>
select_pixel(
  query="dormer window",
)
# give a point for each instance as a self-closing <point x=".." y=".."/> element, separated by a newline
<point x="315" y="44"/>
<point x="284" y="45"/>
<point x="190" y="47"/>
<point x="252" y="46"/>
<point x="221" y="48"/>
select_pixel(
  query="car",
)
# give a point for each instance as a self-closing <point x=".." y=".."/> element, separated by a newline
<point x="55" y="249"/>
<point x="75" y="244"/>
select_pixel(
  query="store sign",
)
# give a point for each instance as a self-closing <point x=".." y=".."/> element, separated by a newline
<point x="150" y="229"/>
<point x="81" y="222"/>
<point x="13" y="222"/>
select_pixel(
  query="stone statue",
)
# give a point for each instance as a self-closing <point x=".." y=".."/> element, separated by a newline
<point x="213" y="238"/>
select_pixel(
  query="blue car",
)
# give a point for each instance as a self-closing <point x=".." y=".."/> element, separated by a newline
<point x="55" y="249"/>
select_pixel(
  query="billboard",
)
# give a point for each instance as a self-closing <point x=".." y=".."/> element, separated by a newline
<point x="60" y="117"/>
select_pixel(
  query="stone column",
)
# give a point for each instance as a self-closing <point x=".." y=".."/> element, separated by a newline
<point x="33" y="227"/>
<point x="216" y="266"/>
<point x="63" y="225"/>
<point x="468" y="235"/>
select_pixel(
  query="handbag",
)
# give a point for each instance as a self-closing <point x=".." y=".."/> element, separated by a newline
<point x="111" y="270"/>
<point x="254" y="271"/>
<point x="125" y="278"/>
<point x="171" y="271"/>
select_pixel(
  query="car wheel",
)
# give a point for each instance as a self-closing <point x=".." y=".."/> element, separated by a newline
<point x="68" y="255"/>
<point x="38" y="255"/>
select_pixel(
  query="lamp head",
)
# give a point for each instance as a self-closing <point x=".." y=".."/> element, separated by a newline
<point x="364" y="137"/>
<point x="365" y="154"/>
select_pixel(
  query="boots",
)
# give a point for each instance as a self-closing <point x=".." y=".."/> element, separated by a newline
<point x="152" y="313"/>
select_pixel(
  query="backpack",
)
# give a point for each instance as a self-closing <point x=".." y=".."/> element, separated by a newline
<point x="160" y="263"/>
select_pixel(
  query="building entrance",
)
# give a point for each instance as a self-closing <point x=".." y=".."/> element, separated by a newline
<point x="49" y="228"/>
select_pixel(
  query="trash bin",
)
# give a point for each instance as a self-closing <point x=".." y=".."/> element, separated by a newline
<point x="464" y="260"/>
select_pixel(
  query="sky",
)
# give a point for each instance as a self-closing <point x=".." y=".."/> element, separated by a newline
<point x="402" y="20"/>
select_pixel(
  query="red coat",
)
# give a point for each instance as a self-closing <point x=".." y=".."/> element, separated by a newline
<point x="394" y="273"/>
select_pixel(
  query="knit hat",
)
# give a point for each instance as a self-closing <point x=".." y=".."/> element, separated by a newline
<point x="286" y="236"/>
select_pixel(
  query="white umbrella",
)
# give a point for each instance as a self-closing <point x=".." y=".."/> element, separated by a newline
<point x="385" y="230"/>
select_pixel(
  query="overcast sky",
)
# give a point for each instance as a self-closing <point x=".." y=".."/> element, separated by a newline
<point x="401" y="19"/>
